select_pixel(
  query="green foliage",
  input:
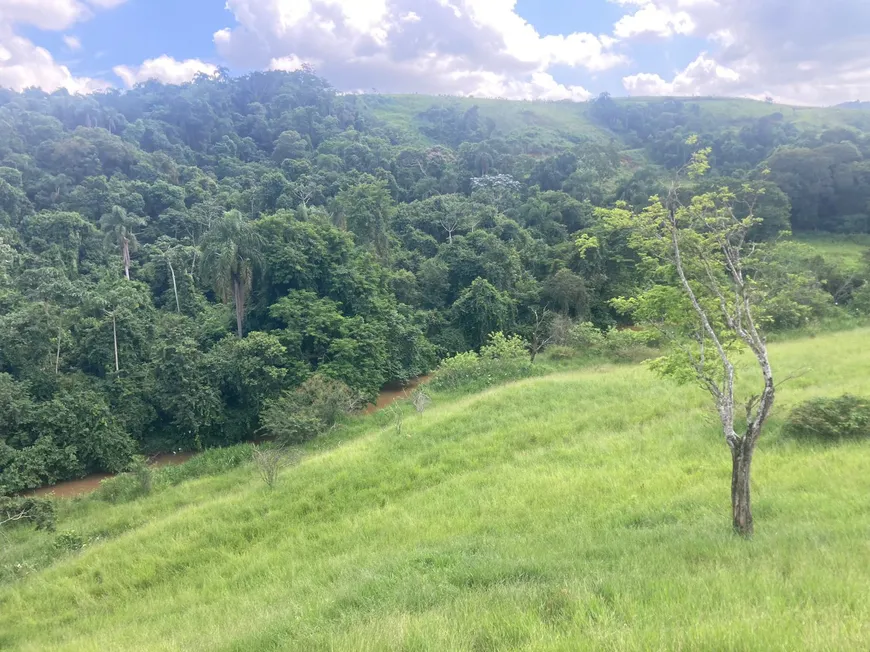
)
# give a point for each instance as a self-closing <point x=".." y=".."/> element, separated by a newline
<point x="540" y="515"/>
<point x="830" y="419"/>
<point x="69" y="541"/>
<point x="24" y="510"/>
<point x="502" y="359"/>
<point x="142" y="479"/>
<point x="313" y="408"/>
<point x="358" y="237"/>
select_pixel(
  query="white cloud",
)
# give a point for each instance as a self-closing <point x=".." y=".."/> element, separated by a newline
<point x="434" y="46"/>
<point x="655" y="20"/>
<point x="287" y="64"/>
<point x="165" y="69"/>
<point x="798" y="51"/>
<point x="106" y="4"/>
<point x="23" y="64"/>
<point x="72" y="42"/>
<point x="701" y="77"/>
<point x="44" y="14"/>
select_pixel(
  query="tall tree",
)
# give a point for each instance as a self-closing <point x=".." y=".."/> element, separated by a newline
<point x="231" y="249"/>
<point x="119" y="228"/>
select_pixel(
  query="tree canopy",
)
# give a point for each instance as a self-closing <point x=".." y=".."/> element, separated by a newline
<point x="172" y="258"/>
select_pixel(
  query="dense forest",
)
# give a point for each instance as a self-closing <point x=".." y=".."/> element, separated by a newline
<point x="173" y="258"/>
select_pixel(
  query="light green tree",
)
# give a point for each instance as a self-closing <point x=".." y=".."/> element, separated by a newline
<point x="707" y="302"/>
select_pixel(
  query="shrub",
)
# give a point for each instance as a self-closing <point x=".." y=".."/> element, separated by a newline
<point x="456" y="371"/>
<point x="624" y="344"/>
<point x="269" y="461"/>
<point x="19" y="510"/>
<point x="122" y="488"/>
<point x="143" y="473"/>
<point x="830" y="419"/>
<point x="142" y="479"/>
<point x="312" y="409"/>
<point x="420" y="399"/>
<point x="586" y="337"/>
<point x="69" y="540"/>
<point x="561" y="353"/>
<point x="502" y="359"/>
<point x="213" y="461"/>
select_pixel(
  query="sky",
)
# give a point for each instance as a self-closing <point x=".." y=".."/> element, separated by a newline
<point x="804" y="52"/>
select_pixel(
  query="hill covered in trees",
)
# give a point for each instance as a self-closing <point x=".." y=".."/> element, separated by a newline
<point x="172" y="258"/>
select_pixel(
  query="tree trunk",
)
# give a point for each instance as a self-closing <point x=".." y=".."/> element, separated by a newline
<point x="115" y="336"/>
<point x="174" y="286"/>
<point x="57" y="357"/>
<point x="239" y="302"/>
<point x="126" y="252"/>
<point x="741" y="506"/>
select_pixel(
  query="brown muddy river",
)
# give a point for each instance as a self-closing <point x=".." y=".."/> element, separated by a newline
<point x="72" y="488"/>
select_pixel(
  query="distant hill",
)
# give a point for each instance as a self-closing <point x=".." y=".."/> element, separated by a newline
<point x="565" y="121"/>
<point x="862" y="106"/>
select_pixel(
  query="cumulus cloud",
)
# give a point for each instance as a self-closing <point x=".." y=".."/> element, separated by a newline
<point x="165" y="69"/>
<point x="23" y="64"/>
<point x="470" y="47"/>
<point x="701" y="77"/>
<point x="798" y="51"/>
<point x="650" y="18"/>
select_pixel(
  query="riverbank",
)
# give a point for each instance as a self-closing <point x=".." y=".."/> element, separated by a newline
<point x="82" y="486"/>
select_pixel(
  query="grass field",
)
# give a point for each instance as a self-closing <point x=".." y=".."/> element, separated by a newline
<point x="845" y="250"/>
<point x="586" y="510"/>
<point x="561" y="123"/>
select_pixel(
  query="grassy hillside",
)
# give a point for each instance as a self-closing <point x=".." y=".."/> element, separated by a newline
<point x="845" y="250"/>
<point x="562" y="121"/>
<point x="584" y="510"/>
<point x="569" y="121"/>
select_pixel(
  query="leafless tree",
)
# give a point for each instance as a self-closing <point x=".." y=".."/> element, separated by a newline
<point x="542" y="334"/>
<point x="269" y="461"/>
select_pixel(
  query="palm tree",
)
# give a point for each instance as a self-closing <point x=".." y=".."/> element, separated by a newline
<point x="118" y="227"/>
<point x="231" y="248"/>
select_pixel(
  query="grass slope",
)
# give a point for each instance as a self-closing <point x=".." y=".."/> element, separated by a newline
<point x="580" y="511"/>
<point x="561" y="123"/>
<point x="847" y="251"/>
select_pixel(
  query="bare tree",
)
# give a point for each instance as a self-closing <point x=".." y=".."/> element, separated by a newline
<point x="420" y="400"/>
<point x="270" y="460"/>
<point x="451" y="218"/>
<point x="542" y="335"/>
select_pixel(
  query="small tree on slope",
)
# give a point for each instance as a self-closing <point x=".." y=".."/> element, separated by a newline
<point x="706" y="303"/>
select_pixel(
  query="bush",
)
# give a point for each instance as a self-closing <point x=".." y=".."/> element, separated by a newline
<point x="70" y="541"/>
<point x="312" y="409"/>
<point x="561" y="353"/>
<point x="586" y="337"/>
<point x="502" y="359"/>
<point x="830" y="419"/>
<point x="123" y="488"/>
<point x="269" y="461"/>
<point x="213" y="461"/>
<point x="18" y="510"/>
<point x="624" y="344"/>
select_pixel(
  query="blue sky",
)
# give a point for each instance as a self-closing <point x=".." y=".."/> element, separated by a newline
<point x="798" y="51"/>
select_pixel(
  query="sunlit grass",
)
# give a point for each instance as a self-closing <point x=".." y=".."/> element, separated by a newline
<point x="582" y="510"/>
<point x="847" y="251"/>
